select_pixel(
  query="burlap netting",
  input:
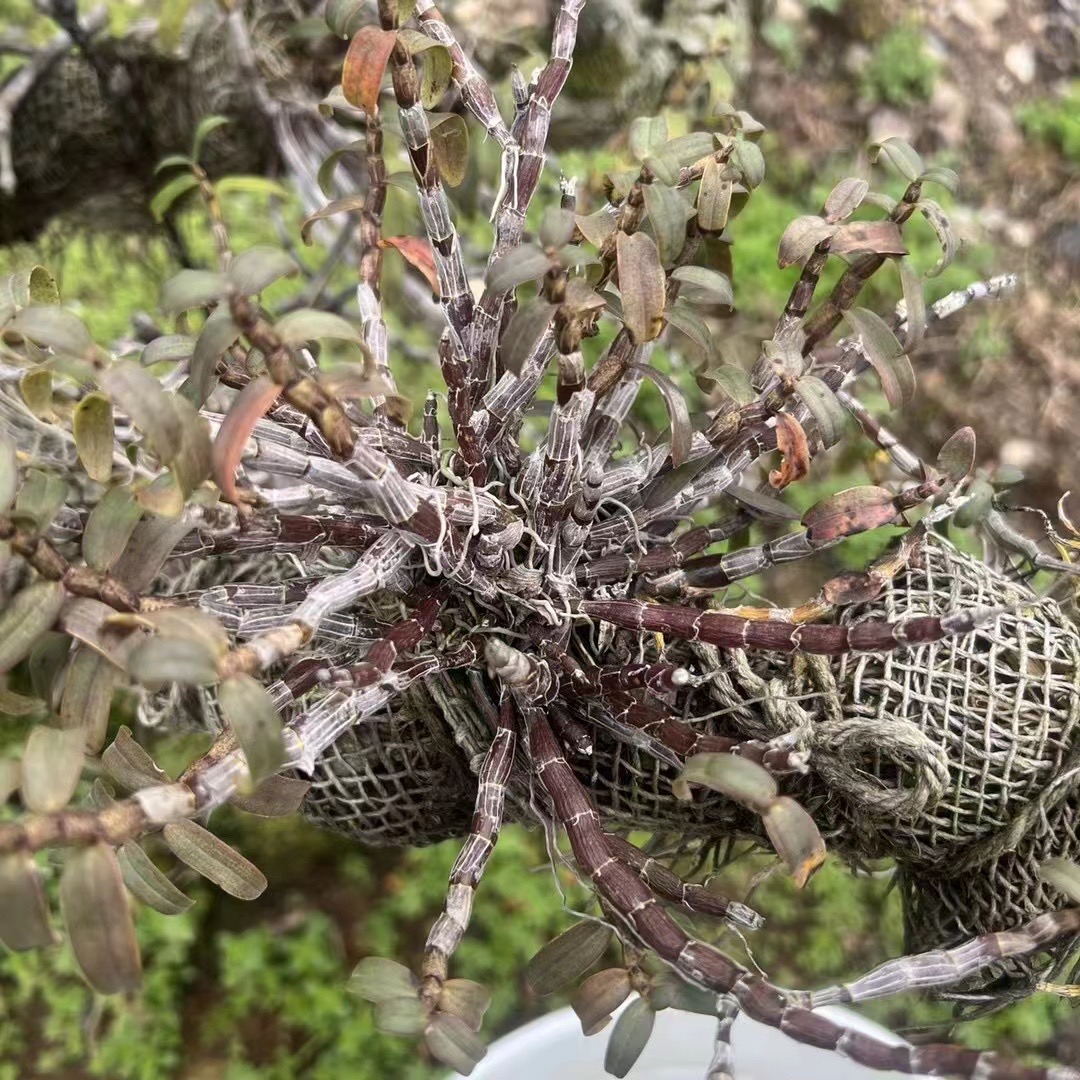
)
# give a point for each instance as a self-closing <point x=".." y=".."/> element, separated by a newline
<point x="959" y="760"/>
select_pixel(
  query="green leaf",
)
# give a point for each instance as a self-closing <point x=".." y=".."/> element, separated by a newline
<point x="914" y="303"/>
<point x="207" y="125"/>
<point x="24" y="912"/>
<point x="629" y="1037"/>
<point x="526" y="262"/>
<point x="437" y="69"/>
<point x="665" y="170"/>
<point x="26" y="617"/>
<point x="938" y="174"/>
<point x="824" y="407"/>
<point x="566" y="958"/>
<point x="165" y="660"/>
<point x="406" y="1017"/>
<point x="148" y="404"/>
<point x="348" y="205"/>
<point x="900" y="155"/>
<point x="700" y="285"/>
<point x="689" y="322"/>
<point x="689" y="149"/>
<point x="40" y="497"/>
<point x="253" y="270"/>
<point x="844" y="199"/>
<point x="162" y="496"/>
<point x="308" y="324"/>
<point x="36" y="387"/>
<point x="642" y="285"/>
<point x="956" y="458"/>
<point x="454" y="1043"/>
<point x="218" y="334"/>
<point x="800" y="239"/>
<point x="54" y="328"/>
<point x="466" y="999"/>
<point x="51" y="766"/>
<point x="980" y="497"/>
<point x="749" y="160"/>
<point x="714" y="199"/>
<point x="109" y="528"/>
<point x="332" y="160"/>
<point x="94" y="904"/>
<point x="148" y="884"/>
<point x="41" y="287"/>
<point x="251" y="185"/>
<point x="885" y="353"/>
<point x="733" y="382"/>
<point x="345" y="17"/>
<point x="556" y="227"/>
<point x="450" y="147"/>
<point x="192" y="464"/>
<point x="939" y="222"/>
<point x="596" y="227"/>
<point x="92" y="425"/>
<point x="527" y="326"/>
<point x="647" y="135"/>
<point x="87" y="697"/>
<point x="250" y="712"/>
<point x="170" y="193"/>
<point x="214" y="859"/>
<point x="668" y="213"/>
<point x="174" y="161"/>
<point x="377" y="979"/>
<point x="191" y="289"/>
<point x="682" y="434"/>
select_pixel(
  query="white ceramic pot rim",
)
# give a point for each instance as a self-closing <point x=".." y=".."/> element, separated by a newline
<point x="553" y="1048"/>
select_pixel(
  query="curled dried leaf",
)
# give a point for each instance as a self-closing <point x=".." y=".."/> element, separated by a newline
<point x="599" y="996"/>
<point x="739" y="778"/>
<point x="792" y="444"/>
<point x="795" y="838"/>
<point x="364" y="67"/>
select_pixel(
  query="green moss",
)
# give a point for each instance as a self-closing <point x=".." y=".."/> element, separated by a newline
<point x="1055" y="121"/>
<point x="900" y="70"/>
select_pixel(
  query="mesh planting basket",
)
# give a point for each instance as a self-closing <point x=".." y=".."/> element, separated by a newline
<point x="959" y="759"/>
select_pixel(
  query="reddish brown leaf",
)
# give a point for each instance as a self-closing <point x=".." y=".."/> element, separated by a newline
<point x="881" y="237"/>
<point x="232" y="437"/>
<point x="417" y="253"/>
<point x="791" y="442"/>
<point x="851" y="588"/>
<point x="365" y="64"/>
<point x="849" y="512"/>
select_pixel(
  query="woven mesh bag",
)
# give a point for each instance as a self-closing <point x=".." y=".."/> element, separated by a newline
<point x="958" y="760"/>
